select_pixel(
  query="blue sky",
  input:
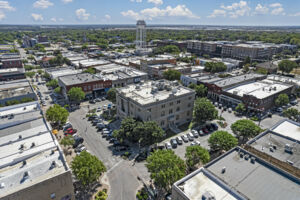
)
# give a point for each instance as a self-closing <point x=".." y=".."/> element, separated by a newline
<point x="206" y="12"/>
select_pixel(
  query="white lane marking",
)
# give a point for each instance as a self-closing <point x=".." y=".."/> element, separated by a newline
<point x="114" y="166"/>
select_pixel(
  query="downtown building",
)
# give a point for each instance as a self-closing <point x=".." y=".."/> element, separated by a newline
<point x="266" y="168"/>
<point x="32" y="164"/>
<point x="167" y="103"/>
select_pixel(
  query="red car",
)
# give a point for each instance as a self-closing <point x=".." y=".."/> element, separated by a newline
<point x="70" y="131"/>
<point x="205" y="130"/>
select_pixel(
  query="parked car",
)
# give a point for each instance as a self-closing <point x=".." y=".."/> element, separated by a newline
<point x="92" y="101"/>
<point x="121" y="148"/>
<point x="103" y="98"/>
<point x="193" y="143"/>
<point x="168" y="145"/>
<point x="195" y="133"/>
<point x="70" y="131"/>
<point x="97" y="99"/>
<point x="173" y="143"/>
<point x="190" y="136"/>
<point x="184" y="138"/>
<point x="78" y="140"/>
<point x="197" y="142"/>
<point x="280" y="110"/>
<point x="179" y="140"/>
<point x="294" y="102"/>
<point x="230" y="110"/>
<point x="78" y="147"/>
<point x="200" y="132"/>
<point x="215" y="126"/>
<point x="109" y="106"/>
<point x="209" y="128"/>
<point x="100" y="126"/>
<point x="98" y="109"/>
<point x="205" y="130"/>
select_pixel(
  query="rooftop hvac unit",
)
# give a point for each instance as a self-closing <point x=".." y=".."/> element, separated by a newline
<point x="223" y="170"/>
<point x="208" y="196"/>
<point x="253" y="160"/>
<point x="26" y="175"/>
<point x="53" y="164"/>
<point x="174" y="91"/>
<point x="288" y="148"/>
<point x="2" y="185"/>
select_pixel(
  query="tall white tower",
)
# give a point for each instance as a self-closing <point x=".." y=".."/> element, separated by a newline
<point x="141" y="42"/>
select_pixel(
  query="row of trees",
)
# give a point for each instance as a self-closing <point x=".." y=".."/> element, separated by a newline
<point x="214" y="67"/>
<point x="172" y="75"/>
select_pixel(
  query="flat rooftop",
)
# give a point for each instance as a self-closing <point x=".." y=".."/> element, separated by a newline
<point x="227" y="82"/>
<point x="58" y="72"/>
<point x="284" y="79"/>
<point x="259" y="89"/>
<point x="253" y="177"/>
<point x="90" y="63"/>
<point x="154" y="91"/>
<point x="14" y="88"/>
<point x="288" y="128"/>
<point x="29" y="152"/>
<point x="78" y="79"/>
<point x="274" y="144"/>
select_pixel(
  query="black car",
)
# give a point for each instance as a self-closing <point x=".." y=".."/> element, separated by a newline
<point x="78" y="140"/>
<point x="173" y="143"/>
<point x="92" y="117"/>
<point x="214" y="126"/>
<point x="209" y="128"/>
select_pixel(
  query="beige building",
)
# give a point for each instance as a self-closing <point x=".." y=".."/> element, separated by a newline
<point x="32" y="165"/>
<point x="167" y="103"/>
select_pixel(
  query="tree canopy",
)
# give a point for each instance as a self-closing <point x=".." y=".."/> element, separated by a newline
<point x="240" y="108"/>
<point x="67" y="140"/>
<point x="57" y="114"/>
<point x="287" y="65"/>
<point x="201" y="90"/>
<point x="165" y="168"/>
<point x="282" y="100"/>
<point x="111" y="95"/>
<point x="52" y="83"/>
<point x="196" y="155"/>
<point x="76" y="94"/>
<point x="291" y="113"/>
<point x="245" y="128"/>
<point x="214" y="67"/>
<point x="222" y="140"/>
<point x="90" y="70"/>
<point x="204" y="111"/>
<point x="172" y="75"/>
<point x="87" y="168"/>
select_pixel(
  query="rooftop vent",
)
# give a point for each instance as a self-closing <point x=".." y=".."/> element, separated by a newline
<point x="253" y="160"/>
<point x="290" y="162"/>
<point x="53" y="164"/>
<point x="223" y="170"/>
<point x="241" y="154"/>
<point x="288" y="148"/>
<point x="20" y="137"/>
<point x="246" y="156"/>
<point x="24" y="162"/>
<point x="2" y="185"/>
<point x="32" y="145"/>
<point x="52" y="152"/>
<point x="208" y="196"/>
<point x="21" y="147"/>
<point x="26" y="175"/>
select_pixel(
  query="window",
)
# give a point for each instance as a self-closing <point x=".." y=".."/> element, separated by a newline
<point x="190" y="98"/>
<point x="149" y="110"/>
<point x="189" y="105"/>
<point x="84" y="88"/>
<point x="178" y="109"/>
<point x="89" y="87"/>
<point x="170" y="111"/>
<point x="163" y="106"/>
<point x="139" y="110"/>
<point x="188" y="113"/>
<point x="178" y="102"/>
<point x="162" y="123"/>
<point x="177" y="117"/>
<point x="171" y="104"/>
<point x="163" y="113"/>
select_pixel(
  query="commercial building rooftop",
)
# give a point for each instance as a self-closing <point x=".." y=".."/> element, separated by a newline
<point x="90" y="63"/>
<point x="154" y="91"/>
<point x="288" y="128"/>
<point x="254" y="178"/>
<point x="58" y="72"/>
<point x="284" y="79"/>
<point x="259" y="89"/>
<point x="227" y="82"/>
<point x="78" y="79"/>
<point x="9" y="89"/>
<point x="29" y="153"/>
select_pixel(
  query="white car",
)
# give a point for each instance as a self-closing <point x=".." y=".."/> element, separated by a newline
<point x="197" y="142"/>
<point x="168" y="145"/>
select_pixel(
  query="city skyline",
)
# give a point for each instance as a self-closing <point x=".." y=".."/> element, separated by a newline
<point x="193" y="12"/>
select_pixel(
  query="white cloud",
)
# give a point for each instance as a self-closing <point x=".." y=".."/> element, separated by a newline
<point x="138" y="1"/>
<point x="150" y="13"/>
<point x="156" y="2"/>
<point x="67" y="1"/>
<point x="43" y="4"/>
<point x="82" y="14"/>
<point x="37" y="17"/>
<point x="4" y="5"/>
<point x="234" y="10"/>
<point x="261" y="10"/>
<point x="107" y="17"/>
<point x="275" y="5"/>
<point x="278" y="11"/>
<point x="295" y="15"/>
<point x="53" y="19"/>
<point x="217" y="13"/>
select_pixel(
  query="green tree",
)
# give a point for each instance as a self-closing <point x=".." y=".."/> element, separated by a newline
<point x="201" y="90"/>
<point x="204" y="111"/>
<point x="46" y="75"/>
<point x="87" y="168"/>
<point x="57" y="90"/>
<point x="246" y="67"/>
<point x="262" y="71"/>
<point x="172" y="75"/>
<point x="126" y="130"/>
<point x="57" y="114"/>
<point x="30" y="74"/>
<point x="247" y="60"/>
<point x="40" y="71"/>
<point x="291" y="113"/>
<point x="240" y="108"/>
<point x="222" y="140"/>
<point x="245" y="128"/>
<point x="67" y="141"/>
<point x="52" y="83"/>
<point x="282" y="100"/>
<point x="215" y="67"/>
<point x="26" y="99"/>
<point x="101" y="195"/>
<point x="111" y="95"/>
<point x="195" y="156"/>
<point x="287" y="66"/>
<point x="165" y="168"/>
<point x="149" y="133"/>
<point x="90" y="70"/>
<point x="76" y="94"/>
